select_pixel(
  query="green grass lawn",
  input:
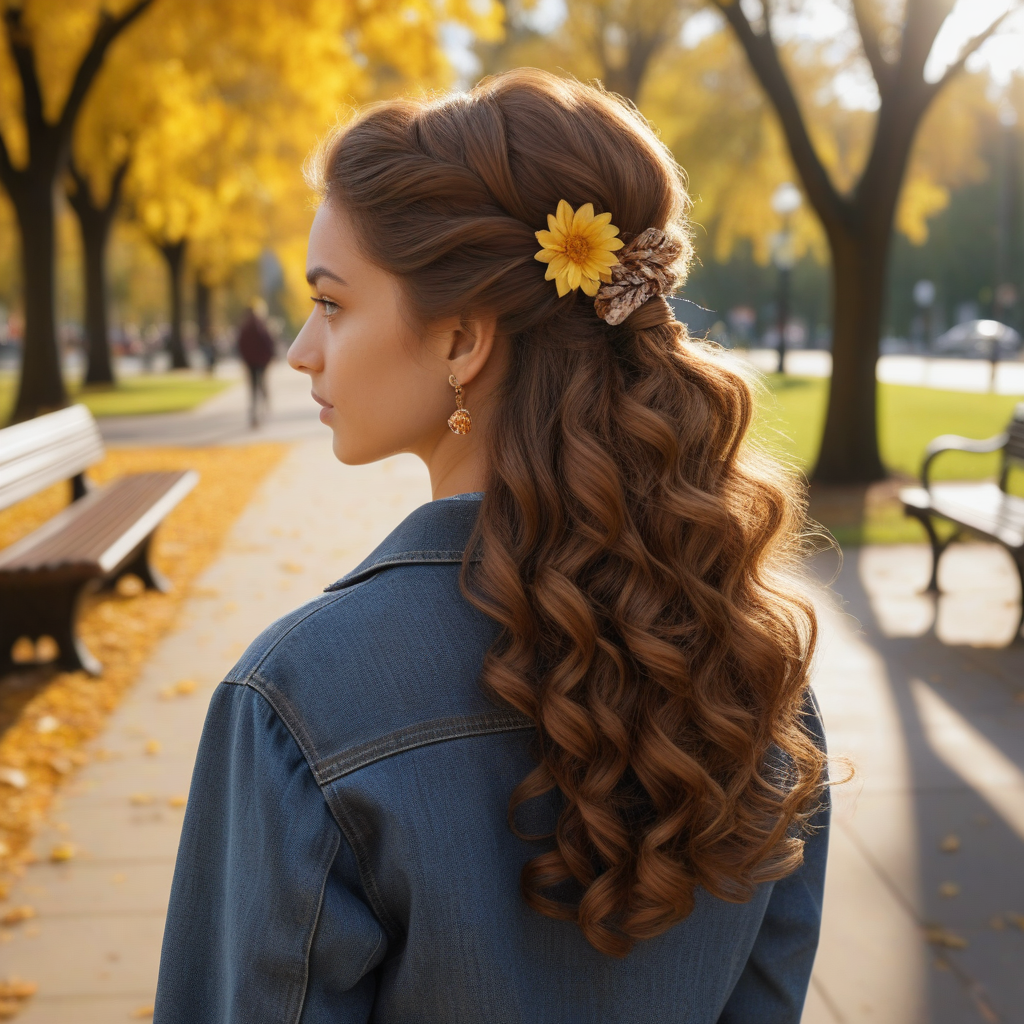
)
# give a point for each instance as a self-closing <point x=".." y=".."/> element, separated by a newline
<point x="133" y="396"/>
<point x="790" y="421"/>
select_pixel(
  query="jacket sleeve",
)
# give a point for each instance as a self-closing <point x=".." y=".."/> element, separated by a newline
<point x="266" y="922"/>
<point x="773" y="985"/>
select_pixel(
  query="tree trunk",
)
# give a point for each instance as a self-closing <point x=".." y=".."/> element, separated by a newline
<point x="31" y="189"/>
<point x="94" y="222"/>
<point x="174" y="254"/>
<point x="100" y="368"/>
<point x="41" y="388"/>
<point x="849" y="445"/>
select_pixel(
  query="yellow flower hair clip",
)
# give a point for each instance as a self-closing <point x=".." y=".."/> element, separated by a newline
<point x="579" y="248"/>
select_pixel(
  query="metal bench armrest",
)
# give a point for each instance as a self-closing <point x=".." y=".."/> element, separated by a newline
<point x="955" y="443"/>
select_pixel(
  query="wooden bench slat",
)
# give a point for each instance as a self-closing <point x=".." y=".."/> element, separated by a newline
<point x="102" y="528"/>
<point x="43" y="451"/>
<point x="982" y="507"/>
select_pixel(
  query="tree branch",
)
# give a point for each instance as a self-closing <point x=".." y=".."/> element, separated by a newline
<point x="20" y="44"/>
<point x="8" y="172"/>
<point x="880" y="67"/>
<point x="921" y="23"/>
<point x="764" y="59"/>
<point x="971" y="47"/>
<point x="107" y="31"/>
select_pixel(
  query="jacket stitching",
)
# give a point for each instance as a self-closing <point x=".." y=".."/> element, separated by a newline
<point x="373" y="893"/>
<point x="424" y="734"/>
<point x="312" y="931"/>
<point x="291" y="723"/>
<point x="286" y="712"/>
<point x="395" y="561"/>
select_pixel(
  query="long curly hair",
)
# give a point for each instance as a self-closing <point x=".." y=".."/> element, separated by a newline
<point x="642" y="558"/>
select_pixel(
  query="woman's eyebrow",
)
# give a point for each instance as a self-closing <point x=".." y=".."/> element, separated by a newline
<point x="314" y="275"/>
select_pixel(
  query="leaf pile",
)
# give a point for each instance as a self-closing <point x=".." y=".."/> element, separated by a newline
<point x="47" y="716"/>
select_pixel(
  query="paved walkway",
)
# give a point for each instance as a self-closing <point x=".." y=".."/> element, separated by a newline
<point x="921" y="371"/>
<point x="926" y="706"/>
<point x="224" y="419"/>
<point x="929" y="836"/>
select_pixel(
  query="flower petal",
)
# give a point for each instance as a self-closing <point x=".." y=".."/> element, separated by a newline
<point x="549" y="239"/>
<point x="602" y="256"/>
<point x="590" y="286"/>
<point x="601" y="219"/>
<point x="562" y="284"/>
<point x="598" y="236"/>
<point x="546" y="255"/>
<point x="582" y="217"/>
<point x="553" y="226"/>
<point x="574" y="276"/>
<point x="612" y="244"/>
<point x="559" y="265"/>
<point x="564" y="215"/>
<point x="606" y="276"/>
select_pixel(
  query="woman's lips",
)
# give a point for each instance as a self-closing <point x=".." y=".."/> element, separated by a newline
<point x="327" y="407"/>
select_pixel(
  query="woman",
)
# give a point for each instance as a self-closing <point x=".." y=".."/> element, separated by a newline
<point x="549" y="753"/>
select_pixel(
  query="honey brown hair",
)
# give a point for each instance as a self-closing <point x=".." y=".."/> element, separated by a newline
<point x="639" y="554"/>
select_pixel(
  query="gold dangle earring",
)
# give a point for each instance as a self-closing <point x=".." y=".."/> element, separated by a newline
<point x="460" y="421"/>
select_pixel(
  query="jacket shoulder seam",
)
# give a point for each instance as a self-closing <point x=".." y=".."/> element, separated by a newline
<point x="423" y="734"/>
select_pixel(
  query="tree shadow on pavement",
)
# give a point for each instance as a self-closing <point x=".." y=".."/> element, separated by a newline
<point x="956" y="682"/>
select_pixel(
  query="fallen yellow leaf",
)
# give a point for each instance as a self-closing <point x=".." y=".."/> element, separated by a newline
<point x="939" y="936"/>
<point x="62" y="851"/>
<point x="15" y="988"/>
<point x="176" y="801"/>
<point x="18" y="914"/>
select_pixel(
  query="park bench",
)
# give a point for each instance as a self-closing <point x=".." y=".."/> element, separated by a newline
<point x="101" y="536"/>
<point x="983" y="509"/>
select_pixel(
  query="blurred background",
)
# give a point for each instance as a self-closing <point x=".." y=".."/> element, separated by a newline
<point x="857" y="175"/>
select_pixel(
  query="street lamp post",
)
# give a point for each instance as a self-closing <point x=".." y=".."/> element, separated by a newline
<point x="786" y="200"/>
<point x="924" y="296"/>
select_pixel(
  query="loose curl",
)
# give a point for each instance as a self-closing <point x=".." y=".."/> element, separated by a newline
<point x="641" y="557"/>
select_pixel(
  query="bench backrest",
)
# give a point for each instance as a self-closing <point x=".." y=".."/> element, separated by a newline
<point x="1015" y="435"/>
<point x="39" y="452"/>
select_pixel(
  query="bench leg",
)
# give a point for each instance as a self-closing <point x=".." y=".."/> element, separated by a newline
<point x="938" y="546"/>
<point x="46" y="610"/>
<point x="140" y="565"/>
<point x="1018" y="560"/>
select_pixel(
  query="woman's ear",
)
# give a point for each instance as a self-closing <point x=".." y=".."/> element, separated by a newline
<point x="467" y="345"/>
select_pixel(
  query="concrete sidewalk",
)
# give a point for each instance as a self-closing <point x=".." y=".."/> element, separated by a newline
<point x="224" y="419"/>
<point x="924" y="905"/>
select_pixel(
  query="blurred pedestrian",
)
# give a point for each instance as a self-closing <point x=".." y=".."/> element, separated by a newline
<point x="256" y="348"/>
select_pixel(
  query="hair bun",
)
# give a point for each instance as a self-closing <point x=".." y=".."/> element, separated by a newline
<point x="643" y="271"/>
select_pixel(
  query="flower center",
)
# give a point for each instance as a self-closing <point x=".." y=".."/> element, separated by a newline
<point x="577" y="248"/>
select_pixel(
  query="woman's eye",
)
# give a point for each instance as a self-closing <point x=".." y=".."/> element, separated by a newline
<point x="329" y="308"/>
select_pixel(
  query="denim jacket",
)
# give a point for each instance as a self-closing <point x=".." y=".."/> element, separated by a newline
<point x="346" y="854"/>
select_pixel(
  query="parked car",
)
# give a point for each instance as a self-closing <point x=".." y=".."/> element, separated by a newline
<point x="979" y="339"/>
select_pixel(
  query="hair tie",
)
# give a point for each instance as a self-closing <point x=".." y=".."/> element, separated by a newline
<point x="644" y="270"/>
<point x="653" y="312"/>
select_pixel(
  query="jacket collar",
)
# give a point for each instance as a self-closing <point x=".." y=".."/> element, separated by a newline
<point x="434" y="534"/>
